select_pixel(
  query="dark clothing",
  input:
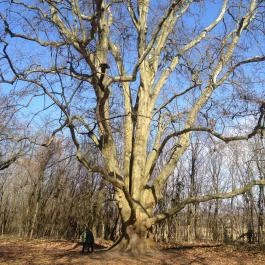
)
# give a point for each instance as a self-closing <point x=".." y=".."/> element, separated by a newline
<point x="87" y="247"/>
<point x="88" y="241"/>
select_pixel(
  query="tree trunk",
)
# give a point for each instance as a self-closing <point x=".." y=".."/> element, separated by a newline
<point x="261" y="202"/>
<point x="215" y="229"/>
<point x="34" y="220"/>
<point x="137" y="239"/>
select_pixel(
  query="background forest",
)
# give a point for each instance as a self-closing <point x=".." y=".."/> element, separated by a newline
<point x="47" y="193"/>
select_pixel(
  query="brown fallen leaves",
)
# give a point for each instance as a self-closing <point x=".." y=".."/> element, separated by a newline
<point x="39" y="252"/>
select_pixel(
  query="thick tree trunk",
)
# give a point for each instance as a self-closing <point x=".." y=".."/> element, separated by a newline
<point x="137" y="239"/>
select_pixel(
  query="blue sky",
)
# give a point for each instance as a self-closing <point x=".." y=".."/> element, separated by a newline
<point x="30" y="53"/>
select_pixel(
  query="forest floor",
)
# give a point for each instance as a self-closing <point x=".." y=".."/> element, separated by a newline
<point x="46" y="252"/>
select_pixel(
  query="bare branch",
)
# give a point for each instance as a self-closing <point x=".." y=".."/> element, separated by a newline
<point x="175" y="96"/>
<point x="6" y="163"/>
<point x="132" y="14"/>
<point x="164" y="76"/>
<point x="205" y="198"/>
<point x="26" y="37"/>
<point x="184" y="140"/>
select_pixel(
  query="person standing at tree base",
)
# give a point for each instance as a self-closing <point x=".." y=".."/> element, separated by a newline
<point x="88" y="241"/>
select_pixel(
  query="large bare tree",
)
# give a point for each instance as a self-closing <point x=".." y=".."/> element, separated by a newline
<point x="136" y="79"/>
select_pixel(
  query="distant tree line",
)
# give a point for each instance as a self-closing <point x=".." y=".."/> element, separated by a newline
<point x="48" y="193"/>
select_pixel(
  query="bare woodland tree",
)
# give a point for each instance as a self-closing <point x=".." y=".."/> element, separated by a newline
<point x="136" y="79"/>
<point x="13" y="145"/>
<point x="50" y="194"/>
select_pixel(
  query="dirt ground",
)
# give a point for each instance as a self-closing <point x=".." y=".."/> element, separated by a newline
<point x="40" y="252"/>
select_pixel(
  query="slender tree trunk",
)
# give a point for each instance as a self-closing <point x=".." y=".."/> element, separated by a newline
<point x="261" y="202"/>
<point x="34" y="220"/>
<point x="215" y="221"/>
